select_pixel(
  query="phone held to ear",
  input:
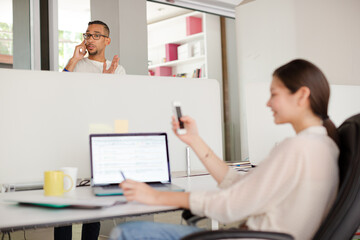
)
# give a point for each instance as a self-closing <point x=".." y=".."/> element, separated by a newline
<point x="177" y="111"/>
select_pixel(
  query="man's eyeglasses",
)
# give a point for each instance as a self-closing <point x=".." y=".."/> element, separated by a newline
<point x="95" y="36"/>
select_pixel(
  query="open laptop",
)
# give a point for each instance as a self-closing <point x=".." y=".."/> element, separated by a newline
<point x="142" y="157"/>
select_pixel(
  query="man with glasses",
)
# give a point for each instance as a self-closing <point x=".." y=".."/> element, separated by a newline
<point x="95" y="41"/>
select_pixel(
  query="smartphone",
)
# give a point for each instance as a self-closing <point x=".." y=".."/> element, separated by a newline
<point x="178" y="114"/>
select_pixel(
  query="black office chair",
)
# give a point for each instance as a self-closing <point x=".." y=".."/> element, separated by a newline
<point x="343" y="219"/>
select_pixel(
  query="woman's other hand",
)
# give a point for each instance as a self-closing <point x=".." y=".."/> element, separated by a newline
<point x="140" y="192"/>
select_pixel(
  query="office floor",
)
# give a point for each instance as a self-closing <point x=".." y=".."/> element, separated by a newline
<point x="106" y="226"/>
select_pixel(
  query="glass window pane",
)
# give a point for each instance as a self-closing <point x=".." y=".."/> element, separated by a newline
<point x="73" y="19"/>
<point x="6" y="34"/>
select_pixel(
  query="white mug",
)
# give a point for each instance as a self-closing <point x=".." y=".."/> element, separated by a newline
<point x="72" y="173"/>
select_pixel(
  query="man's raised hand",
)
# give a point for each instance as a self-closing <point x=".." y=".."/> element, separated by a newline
<point x="113" y="66"/>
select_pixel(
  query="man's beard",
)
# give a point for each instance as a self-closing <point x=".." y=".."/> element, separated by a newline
<point x="93" y="53"/>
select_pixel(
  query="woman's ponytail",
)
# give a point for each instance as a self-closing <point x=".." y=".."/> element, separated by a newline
<point x="331" y="130"/>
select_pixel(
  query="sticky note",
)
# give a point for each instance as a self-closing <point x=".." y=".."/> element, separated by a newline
<point x="121" y="126"/>
<point x="100" y="128"/>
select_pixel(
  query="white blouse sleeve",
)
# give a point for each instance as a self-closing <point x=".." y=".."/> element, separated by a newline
<point x="230" y="178"/>
<point x="253" y="192"/>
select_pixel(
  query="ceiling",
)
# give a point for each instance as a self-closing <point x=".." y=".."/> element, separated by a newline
<point x="156" y="11"/>
<point x="220" y="7"/>
<point x="232" y="2"/>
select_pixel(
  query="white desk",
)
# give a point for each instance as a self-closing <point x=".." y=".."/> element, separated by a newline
<point x="17" y="217"/>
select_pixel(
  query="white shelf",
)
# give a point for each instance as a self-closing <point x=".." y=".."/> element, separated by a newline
<point x="190" y="38"/>
<point x="177" y="62"/>
<point x="173" y="30"/>
<point x="174" y="19"/>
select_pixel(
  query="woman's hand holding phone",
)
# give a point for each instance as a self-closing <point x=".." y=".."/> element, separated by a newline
<point x="184" y="127"/>
<point x="178" y="113"/>
<point x="190" y="126"/>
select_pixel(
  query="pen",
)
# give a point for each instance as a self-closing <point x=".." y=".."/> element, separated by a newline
<point x="122" y="174"/>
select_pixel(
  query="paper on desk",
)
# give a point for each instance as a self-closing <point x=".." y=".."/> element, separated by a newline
<point x="59" y="202"/>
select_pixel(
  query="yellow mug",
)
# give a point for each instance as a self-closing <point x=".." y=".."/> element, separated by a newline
<point x="54" y="183"/>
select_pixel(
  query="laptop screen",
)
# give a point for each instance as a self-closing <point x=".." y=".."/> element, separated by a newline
<point x="141" y="157"/>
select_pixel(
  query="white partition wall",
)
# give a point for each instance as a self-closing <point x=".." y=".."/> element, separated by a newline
<point x="272" y="33"/>
<point x="263" y="134"/>
<point x="46" y="117"/>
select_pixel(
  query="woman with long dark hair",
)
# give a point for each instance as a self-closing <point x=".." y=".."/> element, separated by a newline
<point x="290" y="191"/>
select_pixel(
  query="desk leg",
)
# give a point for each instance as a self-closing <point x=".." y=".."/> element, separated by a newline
<point x="214" y="225"/>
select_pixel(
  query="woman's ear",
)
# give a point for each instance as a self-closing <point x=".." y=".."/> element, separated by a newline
<point x="303" y="95"/>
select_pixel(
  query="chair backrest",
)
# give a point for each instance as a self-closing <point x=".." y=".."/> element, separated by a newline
<point x="344" y="217"/>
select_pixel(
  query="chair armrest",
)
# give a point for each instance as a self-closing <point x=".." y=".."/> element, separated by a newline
<point x="190" y="218"/>
<point x="234" y="233"/>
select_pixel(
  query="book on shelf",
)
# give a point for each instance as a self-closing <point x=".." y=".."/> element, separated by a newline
<point x="196" y="73"/>
<point x="199" y="72"/>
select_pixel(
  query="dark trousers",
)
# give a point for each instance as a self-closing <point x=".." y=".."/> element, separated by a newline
<point x="90" y="231"/>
